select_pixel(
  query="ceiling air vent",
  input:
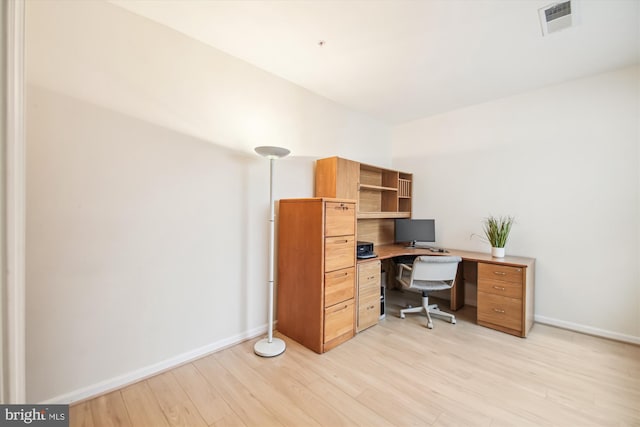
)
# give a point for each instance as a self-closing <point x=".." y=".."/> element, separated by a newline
<point x="556" y="17"/>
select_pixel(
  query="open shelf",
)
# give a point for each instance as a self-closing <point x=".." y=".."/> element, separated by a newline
<point x="379" y="215"/>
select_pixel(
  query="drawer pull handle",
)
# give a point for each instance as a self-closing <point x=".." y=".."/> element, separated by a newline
<point x="500" y="288"/>
<point x="498" y="310"/>
<point x="500" y="273"/>
<point x="337" y="275"/>
<point x="370" y="277"/>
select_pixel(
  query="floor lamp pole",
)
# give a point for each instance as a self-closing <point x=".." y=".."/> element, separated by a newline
<point x="271" y="247"/>
<point x="270" y="346"/>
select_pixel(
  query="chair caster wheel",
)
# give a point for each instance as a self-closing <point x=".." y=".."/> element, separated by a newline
<point x="430" y="325"/>
<point x="453" y="321"/>
<point x="402" y="316"/>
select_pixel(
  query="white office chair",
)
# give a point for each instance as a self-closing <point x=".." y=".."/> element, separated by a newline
<point x="429" y="273"/>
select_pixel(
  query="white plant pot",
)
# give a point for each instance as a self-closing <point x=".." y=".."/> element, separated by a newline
<point x="497" y="252"/>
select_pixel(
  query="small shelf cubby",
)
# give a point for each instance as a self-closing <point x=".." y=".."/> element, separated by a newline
<point x="404" y="192"/>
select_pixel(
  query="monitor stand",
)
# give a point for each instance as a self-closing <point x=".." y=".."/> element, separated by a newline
<point x="415" y="245"/>
<point x="411" y="245"/>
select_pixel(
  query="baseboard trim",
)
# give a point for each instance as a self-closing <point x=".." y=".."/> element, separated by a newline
<point x="120" y="381"/>
<point x="587" y="330"/>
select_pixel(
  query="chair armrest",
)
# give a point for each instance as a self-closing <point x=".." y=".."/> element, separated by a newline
<point x="401" y="268"/>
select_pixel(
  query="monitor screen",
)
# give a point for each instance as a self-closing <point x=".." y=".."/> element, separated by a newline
<point x="415" y="230"/>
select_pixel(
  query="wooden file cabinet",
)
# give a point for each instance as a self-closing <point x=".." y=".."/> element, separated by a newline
<point x="316" y="271"/>
<point x="368" y="294"/>
<point x="504" y="298"/>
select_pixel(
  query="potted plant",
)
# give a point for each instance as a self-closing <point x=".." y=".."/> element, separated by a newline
<point x="496" y="230"/>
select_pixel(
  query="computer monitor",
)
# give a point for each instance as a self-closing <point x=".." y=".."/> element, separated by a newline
<point x="412" y="231"/>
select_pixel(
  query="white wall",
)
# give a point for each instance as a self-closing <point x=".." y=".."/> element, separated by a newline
<point x="3" y="220"/>
<point x="564" y="160"/>
<point x="146" y="208"/>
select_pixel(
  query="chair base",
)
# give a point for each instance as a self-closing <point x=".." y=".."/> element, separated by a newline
<point x="429" y="310"/>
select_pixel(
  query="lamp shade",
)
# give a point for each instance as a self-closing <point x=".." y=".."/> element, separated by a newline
<point x="272" y="152"/>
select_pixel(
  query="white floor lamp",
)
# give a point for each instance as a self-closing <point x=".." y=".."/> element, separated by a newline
<point x="270" y="346"/>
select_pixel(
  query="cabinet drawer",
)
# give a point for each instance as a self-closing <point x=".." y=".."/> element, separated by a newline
<point x="505" y="289"/>
<point x="368" y="311"/>
<point x="369" y="291"/>
<point x="369" y="278"/>
<point x="339" y="286"/>
<point x="502" y="273"/>
<point x="338" y="320"/>
<point x="340" y="219"/>
<point x="339" y="252"/>
<point x="499" y="310"/>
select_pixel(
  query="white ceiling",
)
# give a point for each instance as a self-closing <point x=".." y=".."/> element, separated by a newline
<point x="399" y="60"/>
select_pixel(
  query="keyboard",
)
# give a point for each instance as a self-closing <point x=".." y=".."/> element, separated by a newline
<point x="439" y="250"/>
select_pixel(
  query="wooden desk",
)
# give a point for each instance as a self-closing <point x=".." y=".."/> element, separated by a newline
<point x="505" y="285"/>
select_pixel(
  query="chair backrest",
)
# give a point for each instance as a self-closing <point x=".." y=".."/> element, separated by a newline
<point x="435" y="268"/>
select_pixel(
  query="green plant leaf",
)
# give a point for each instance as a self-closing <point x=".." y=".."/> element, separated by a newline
<point x="496" y="229"/>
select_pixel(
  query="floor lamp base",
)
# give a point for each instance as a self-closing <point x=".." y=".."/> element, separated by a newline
<point x="265" y="348"/>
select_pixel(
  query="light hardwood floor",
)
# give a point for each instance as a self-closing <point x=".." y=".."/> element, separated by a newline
<point x="394" y="374"/>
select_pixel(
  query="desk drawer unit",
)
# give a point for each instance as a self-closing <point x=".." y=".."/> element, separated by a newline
<point x="505" y="289"/>
<point x="503" y="273"/>
<point x="498" y="310"/>
<point x="368" y="294"/>
<point x="501" y="297"/>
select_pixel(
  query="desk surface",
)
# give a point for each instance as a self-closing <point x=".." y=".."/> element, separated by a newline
<point x="391" y="251"/>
